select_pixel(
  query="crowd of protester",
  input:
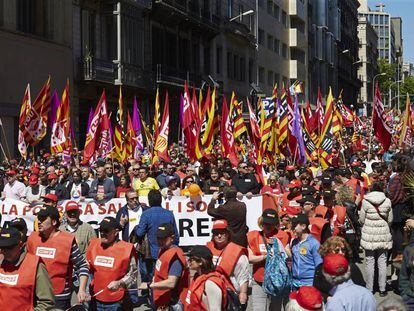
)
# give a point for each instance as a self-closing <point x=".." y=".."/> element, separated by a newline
<point x="327" y="225"/>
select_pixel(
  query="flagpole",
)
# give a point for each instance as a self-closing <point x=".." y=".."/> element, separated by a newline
<point x="5" y="138"/>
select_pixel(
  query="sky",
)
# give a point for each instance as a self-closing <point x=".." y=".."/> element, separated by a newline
<point x="405" y="10"/>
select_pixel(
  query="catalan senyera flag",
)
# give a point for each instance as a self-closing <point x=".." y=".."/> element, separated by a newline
<point x="292" y="141"/>
<point x="226" y="134"/>
<point x="207" y="139"/>
<point x="237" y="117"/>
<point x="161" y="144"/>
<point x="119" y="135"/>
<point x="24" y="110"/>
<point x="156" y="124"/>
<point x="129" y="138"/>
<point x="35" y="124"/>
<point x="337" y="117"/>
<point x="282" y="115"/>
<point x="325" y="142"/>
<point x="138" y="141"/>
<point x="405" y="135"/>
<point x="60" y="139"/>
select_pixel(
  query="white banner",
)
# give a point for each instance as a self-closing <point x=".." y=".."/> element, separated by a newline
<point x="193" y="222"/>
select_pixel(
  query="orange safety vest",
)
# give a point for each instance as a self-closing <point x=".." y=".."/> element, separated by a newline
<point x="256" y="244"/>
<point x="106" y="265"/>
<point x="17" y="284"/>
<point x="162" y="297"/>
<point x="316" y="227"/>
<point x="338" y="218"/>
<point x="226" y="259"/>
<point x="321" y="210"/>
<point x="194" y="298"/>
<point x="55" y="252"/>
<point x="291" y="206"/>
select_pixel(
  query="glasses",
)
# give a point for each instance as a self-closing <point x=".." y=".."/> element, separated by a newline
<point x="338" y="250"/>
<point x="135" y="169"/>
<point x="133" y="199"/>
<point x="108" y="168"/>
<point x="72" y="213"/>
<point x="189" y="181"/>
<point x="41" y="219"/>
<point x="219" y="232"/>
<point x="272" y="180"/>
<point x="243" y="166"/>
<point x="105" y="231"/>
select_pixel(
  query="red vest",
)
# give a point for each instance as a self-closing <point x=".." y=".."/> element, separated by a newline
<point x="17" y="284"/>
<point x="162" y="298"/>
<point x="338" y="218"/>
<point x="321" y="210"/>
<point x="257" y="246"/>
<point x="194" y="299"/>
<point x="55" y="253"/>
<point x="226" y="259"/>
<point x="291" y="207"/>
<point x="108" y="264"/>
<point x="317" y="225"/>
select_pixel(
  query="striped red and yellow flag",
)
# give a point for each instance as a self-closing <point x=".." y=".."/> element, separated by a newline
<point x="157" y="116"/>
<point x="129" y="138"/>
<point x="325" y="143"/>
<point x="283" y="123"/>
<point x="337" y="118"/>
<point x="60" y="137"/>
<point x="119" y="151"/>
<point x="237" y="117"/>
<point x="208" y="137"/>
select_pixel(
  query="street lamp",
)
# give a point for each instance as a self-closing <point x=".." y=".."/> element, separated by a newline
<point x="249" y="12"/>
<point x="345" y="51"/>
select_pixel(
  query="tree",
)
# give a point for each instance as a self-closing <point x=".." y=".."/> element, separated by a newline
<point x="406" y="88"/>
<point x="385" y="82"/>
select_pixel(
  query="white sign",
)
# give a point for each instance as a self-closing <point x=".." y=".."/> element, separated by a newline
<point x="193" y="223"/>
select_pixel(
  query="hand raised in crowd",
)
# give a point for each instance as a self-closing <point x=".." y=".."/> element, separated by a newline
<point x="249" y="195"/>
<point x="216" y="195"/>
<point x="123" y="220"/>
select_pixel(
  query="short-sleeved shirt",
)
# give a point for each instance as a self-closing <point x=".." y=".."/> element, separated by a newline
<point x="143" y="187"/>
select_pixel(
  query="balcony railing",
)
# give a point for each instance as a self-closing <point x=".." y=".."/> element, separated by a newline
<point x="95" y="69"/>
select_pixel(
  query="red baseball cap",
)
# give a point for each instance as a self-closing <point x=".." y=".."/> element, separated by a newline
<point x="220" y="224"/>
<point x="51" y="197"/>
<point x="34" y="170"/>
<point x="290" y="168"/>
<point x="295" y="184"/>
<point x="33" y="180"/>
<point x="72" y="206"/>
<point x="335" y="264"/>
<point x="52" y="176"/>
<point x="308" y="297"/>
<point x="11" y="172"/>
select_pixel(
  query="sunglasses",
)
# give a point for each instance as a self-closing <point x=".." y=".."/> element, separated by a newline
<point x="7" y="248"/>
<point x="72" y="213"/>
<point x="135" y="169"/>
<point x="189" y="181"/>
<point x="105" y="231"/>
<point x="243" y="166"/>
<point x="133" y="199"/>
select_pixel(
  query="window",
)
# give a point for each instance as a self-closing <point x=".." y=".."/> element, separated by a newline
<point x="229" y="8"/>
<point x="261" y="75"/>
<point x="277" y="78"/>
<point x="251" y="63"/>
<point x="270" y="7"/>
<point x="172" y="49"/>
<point x="276" y="12"/>
<point x="242" y="69"/>
<point x="284" y="51"/>
<point x="229" y="65"/>
<point x="31" y="17"/>
<point x="218" y="8"/>
<point x="284" y="19"/>
<point x="207" y="60"/>
<point x="261" y="36"/>
<point x="277" y="46"/>
<point x="270" y="78"/>
<point x="219" y="62"/>
<point x="270" y="42"/>
<point x="236" y="67"/>
<point x="88" y="31"/>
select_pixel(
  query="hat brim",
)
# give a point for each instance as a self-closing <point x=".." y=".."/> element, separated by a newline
<point x="270" y="221"/>
<point x="8" y="242"/>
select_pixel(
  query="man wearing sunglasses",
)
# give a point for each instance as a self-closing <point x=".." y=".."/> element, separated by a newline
<point x="24" y="282"/>
<point x="59" y="252"/>
<point x="113" y="266"/>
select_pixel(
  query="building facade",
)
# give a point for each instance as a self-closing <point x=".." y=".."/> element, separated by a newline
<point x="348" y="46"/>
<point x="368" y="55"/>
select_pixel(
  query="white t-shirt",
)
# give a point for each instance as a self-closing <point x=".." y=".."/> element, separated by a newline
<point x="134" y="217"/>
<point x="15" y="191"/>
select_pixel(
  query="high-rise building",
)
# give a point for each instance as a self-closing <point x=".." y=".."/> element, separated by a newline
<point x="381" y="21"/>
<point x="348" y="47"/>
<point x="407" y="70"/>
<point x="324" y="33"/>
<point x="368" y="55"/>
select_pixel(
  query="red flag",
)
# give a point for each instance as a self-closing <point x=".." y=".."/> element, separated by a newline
<point x="226" y="133"/>
<point x="161" y="145"/>
<point x="381" y="129"/>
<point x="129" y="138"/>
<point x="292" y="142"/>
<point x="98" y="139"/>
<point x="60" y="137"/>
<point x="187" y="115"/>
<point x="24" y="110"/>
<point x="35" y="125"/>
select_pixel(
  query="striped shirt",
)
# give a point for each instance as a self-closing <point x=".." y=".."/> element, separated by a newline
<point x="80" y="266"/>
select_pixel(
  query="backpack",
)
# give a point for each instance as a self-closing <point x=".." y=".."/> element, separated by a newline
<point x="277" y="279"/>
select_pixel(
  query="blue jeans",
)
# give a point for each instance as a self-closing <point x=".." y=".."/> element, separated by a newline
<point x="104" y="306"/>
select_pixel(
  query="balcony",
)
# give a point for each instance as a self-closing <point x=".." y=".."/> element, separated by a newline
<point x="297" y="9"/>
<point x="297" y="39"/>
<point x="297" y="70"/>
<point x="176" y="77"/>
<point x="177" y="12"/>
<point x="106" y="71"/>
<point x="100" y="70"/>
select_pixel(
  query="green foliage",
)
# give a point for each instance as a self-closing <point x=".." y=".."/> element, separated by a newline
<point x="407" y="86"/>
<point x="385" y="81"/>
